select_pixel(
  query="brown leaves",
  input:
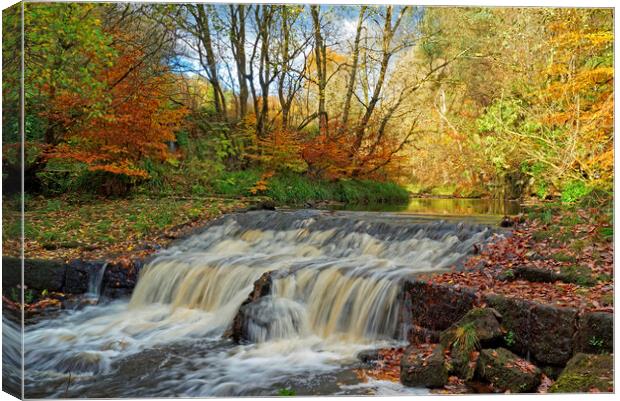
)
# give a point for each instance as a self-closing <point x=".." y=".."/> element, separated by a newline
<point x="561" y="246"/>
<point x="387" y="367"/>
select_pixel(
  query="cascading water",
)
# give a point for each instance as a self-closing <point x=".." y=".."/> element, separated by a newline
<point x="95" y="282"/>
<point x="335" y="291"/>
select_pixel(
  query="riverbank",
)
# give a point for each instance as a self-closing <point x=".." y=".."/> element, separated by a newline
<point x="530" y="313"/>
<point x="548" y="285"/>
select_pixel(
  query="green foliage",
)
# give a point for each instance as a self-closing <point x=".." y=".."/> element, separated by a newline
<point x="465" y="339"/>
<point x="575" y="191"/>
<point x="236" y="183"/>
<point x="580" y="275"/>
<point x="509" y="338"/>
<point x="286" y="392"/>
<point x="607" y="233"/>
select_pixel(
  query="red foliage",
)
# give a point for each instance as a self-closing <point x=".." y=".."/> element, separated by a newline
<point x="135" y="125"/>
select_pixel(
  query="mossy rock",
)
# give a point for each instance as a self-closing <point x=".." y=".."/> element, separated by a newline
<point x="418" y="368"/>
<point x="595" y="333"/>
<point x="484" y="323"/>
<point x="507" y="372"/>
<point x="580" y="275"/>
<point x="584" y="373"/>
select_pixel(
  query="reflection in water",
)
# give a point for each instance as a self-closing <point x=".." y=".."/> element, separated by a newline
<point x="446" y="206"/>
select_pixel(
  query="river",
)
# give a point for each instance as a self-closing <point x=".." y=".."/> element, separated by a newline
<point x="336" y="285"/>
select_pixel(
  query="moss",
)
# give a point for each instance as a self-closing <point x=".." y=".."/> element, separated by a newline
<point x="585" y="372"/>
<point x="563" y="257"/>
<point x="578" y="275"/>
<point x="607" y="299"/>
<point x="578" y="245"/>
<point x="541" y="235"/>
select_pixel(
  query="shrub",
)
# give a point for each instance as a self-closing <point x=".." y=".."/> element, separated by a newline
<point x="575" y="191"/>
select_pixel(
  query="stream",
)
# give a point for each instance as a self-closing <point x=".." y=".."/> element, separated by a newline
<point x="336" y="285"/>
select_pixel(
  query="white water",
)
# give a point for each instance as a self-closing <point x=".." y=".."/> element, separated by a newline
<point x="335" y="293"/>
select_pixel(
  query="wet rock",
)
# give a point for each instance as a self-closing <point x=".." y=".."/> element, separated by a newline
<point x="119" y="279"/>
<point x="595" y="333"/>
<point x="515" y="321"/>
<point x="424" y="366"/>
<point x="551" y="334"/>
<point x="507" y="372"/>
<point x="38" y="274"/>
<point x="239" y="328"/>
<point x="263" y="205"/>
<point x="369" y="356"/>
<point x="584" y="373"/>
<point x="435" y="306"/>
<point x="78" y="272"/>
<point x="82" y="362"/>
<point x="484" y="322"/>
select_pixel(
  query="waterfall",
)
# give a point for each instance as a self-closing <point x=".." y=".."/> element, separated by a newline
<point x="323" y="285"/>
<point x="95" y="282"/>
<point x="337" y="276"/>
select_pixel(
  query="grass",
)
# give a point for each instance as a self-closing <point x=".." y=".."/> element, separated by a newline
<point x="297" y="189"/>
<point x="98" y="222"/>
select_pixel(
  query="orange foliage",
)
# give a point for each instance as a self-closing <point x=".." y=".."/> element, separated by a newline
<point x="134" y="126"/>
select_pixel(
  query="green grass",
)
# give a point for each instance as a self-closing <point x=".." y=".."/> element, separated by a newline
<point x="296" y="189"/>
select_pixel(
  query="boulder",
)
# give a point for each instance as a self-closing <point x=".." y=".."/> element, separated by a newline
<point x="424" y="366"/>
<point x="262" y="287"/>
<point x="435" y="306"/>
<point x="38" y="274"/>
<point x="543" y="331"/>
<point x="584" y="373"/>
<point x="551" y="334"/>
<point x="507" y="372"/>
<point x="484" y="322"/>
<point x="480" y="326"/>
<point x="515" y="320"/>
<point x="595" y="333"/>
<point x="535" y="274"/>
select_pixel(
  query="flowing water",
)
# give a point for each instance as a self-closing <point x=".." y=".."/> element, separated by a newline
<point x="336" y="291"/>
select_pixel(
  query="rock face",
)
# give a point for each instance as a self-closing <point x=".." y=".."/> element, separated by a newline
<point x="595" y="333"/>
<point x="38" y="274"/>
<point x="424" y="366"/>
<point x="545" y="331"/>
<point x="262" y="287"/>
<point x="72" y="278"/>
<point x="480" y="326"/>
<point x="507" y="372"/>
<point x="433" y="306"/>
<point x="484" y="322"/>
<point x="584" y="373"/>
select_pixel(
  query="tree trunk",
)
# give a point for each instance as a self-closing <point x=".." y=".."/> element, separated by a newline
<point x="320" y="55"/>
<point x="352" y="76"/>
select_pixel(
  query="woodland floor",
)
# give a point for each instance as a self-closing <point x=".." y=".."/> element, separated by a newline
<point x="575" y="244"/>
<point x="71" y="227"/>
